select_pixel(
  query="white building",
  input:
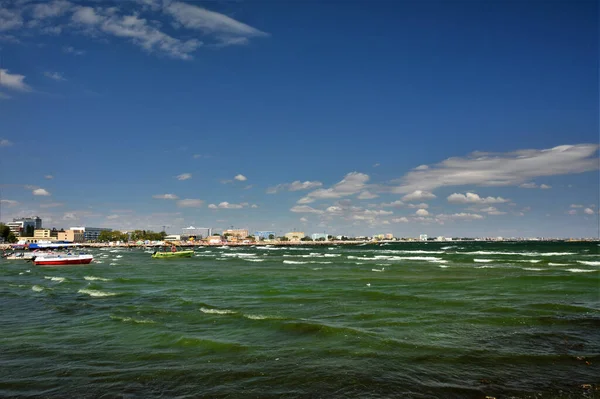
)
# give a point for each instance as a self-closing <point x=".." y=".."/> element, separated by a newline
<point x="423" y="237"/>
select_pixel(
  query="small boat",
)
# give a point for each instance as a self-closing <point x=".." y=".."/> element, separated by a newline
<point x="173" y="252"/>
<point x="177" y="254"/>
<point x="61" y="260"/>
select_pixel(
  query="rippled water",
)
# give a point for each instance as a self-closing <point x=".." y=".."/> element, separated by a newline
<point x="418" y="320"/>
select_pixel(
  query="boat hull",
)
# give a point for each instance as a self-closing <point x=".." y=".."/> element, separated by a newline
<point x="66" y="261"/>
<point x="179" y="254"/>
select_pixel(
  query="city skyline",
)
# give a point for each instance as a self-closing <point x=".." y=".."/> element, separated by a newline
<point x="449" y="119"/>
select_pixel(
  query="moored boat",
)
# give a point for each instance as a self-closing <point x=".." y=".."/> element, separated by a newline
<point x="61" y="260"/>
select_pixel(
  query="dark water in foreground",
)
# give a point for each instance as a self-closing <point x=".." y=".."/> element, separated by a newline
<point x="441" y="320"/>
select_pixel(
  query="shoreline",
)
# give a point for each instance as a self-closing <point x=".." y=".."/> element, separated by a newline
<point x="5" y="247"/>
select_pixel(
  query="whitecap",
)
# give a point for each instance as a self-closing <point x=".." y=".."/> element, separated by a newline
<point x="557" y="264"/>
<point x="94" y="278"/>
<point x="216" y="311"/>
<point x="535" y="269"/>
<point x="96" y="293"/>
<point x="294" y="262"/>
<point x="59" y="279"/>
<point x="482" y="260"/>
<point x="443" y="266"/>
<point x="589" y="263"/>
<point x="580" y="270"/>
<point x="37" y="288"/>
<point x="253" y="260"/>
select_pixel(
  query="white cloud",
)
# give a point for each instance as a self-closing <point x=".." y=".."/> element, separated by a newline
<point x="305" y="209"/>
<point x="9" y="202"/>
<point x="227" y="30"/>
<point x="190" y="203"/>
<point x="418" y="195"/>
<point x="422" y="205"/>
<point x="534" y="185"/>
<point x="402" y="219"/>
<point x="13" y="81"/>
<point x="70" y="216"/>
<point x="49" y="177"/>
<point x="55" y="76"/>
<point x="294" y="186"/>
<point x="303" y="219"/>
<point x="460" y="216"/>
<point x="352" y="183"/>
<point x="503" y="169"/>
<point x="366" y="195"/>
<point x="472" y="198"/>
<point x="254" y="206"/>
<point x="240" y="178"/>
<point x="572" y="212"/>
<point x="5" y="143"/>
<point x="422" y="212"/>
<point x="40" y="191"/>
<point x="227" y="205"/>
<point x="588" y="211"/>
<point x="166" y="196"/>
<point x="135" y="29"/>
<point x="10" y="19"/>
<point x="111" y="217"/>
<point x="52" y="9"/>
<point x="395" y="204"/>
<point x="184" y="176"/>
<point x="576" y="206"/>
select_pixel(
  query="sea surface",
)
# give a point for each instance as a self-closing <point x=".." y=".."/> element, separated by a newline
<point x="402" y="320"/>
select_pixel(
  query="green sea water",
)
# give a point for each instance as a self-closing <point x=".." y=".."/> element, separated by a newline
<point x="408" y="320"/>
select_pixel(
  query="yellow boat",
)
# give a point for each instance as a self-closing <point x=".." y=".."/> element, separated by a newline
<point x="173" y="253"/>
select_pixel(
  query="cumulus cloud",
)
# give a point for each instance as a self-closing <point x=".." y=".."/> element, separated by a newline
<point x="402" y="219"/>
<point x="190" y="203"/>
<point x="501" y="169"/>
<point x="572" y="212"/>
<point x="394" y="204"/>
<point x="366" y="195"/>
<point x="294" y="186"/>
<point x="422" y="212"/>
<point x="303" y="219"/>
<point x="240" y="178"/>
<point x="588" y="211"/>
<point x="459" y="216"/>
<point x="184" y="176"/>
<point x="50" y="9"/>
<point x="165" y="196"/>
<point x="13" y="81"/>
<point x="5" y="143"/>
<point x="418" y="195"/>
<point x="353" y="183"/>
<point x="40" y="191"/>
<point x="227" y="205"/>
<point x="472" y="198"/>
<point x="422" y="205"/>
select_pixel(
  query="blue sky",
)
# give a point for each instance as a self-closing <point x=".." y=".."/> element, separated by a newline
<point x="441" y="117"/>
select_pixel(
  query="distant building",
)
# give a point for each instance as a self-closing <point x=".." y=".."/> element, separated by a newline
<point x="71" y="235"/>
<point x="90" y="233"/>
<point x="295" y="235"/>
<point x="173" y="237"/>
<point x="389" y="236"/>
<point x="19" y="225"/>
<point x="264" y="234"/>
<point x="423" y="237"/>
<point x="42" y="233"/>
<point x="317" y="236"/>
<point x="238" y="233"/>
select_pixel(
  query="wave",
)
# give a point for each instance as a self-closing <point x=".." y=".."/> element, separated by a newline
<point x="253" y="260"/>
<point x="580" y="270"/>
<point x="535" y="269"/>
<point x="96" y="293"/>
<point x="37" y="288"/>
<point x="557" y="264"/>
<point x="261" y="317"/>
<point x="589" y="262"/>
<point x="217" y="311"/>
<point x="132" y="320"/>
<point x="59" y="279"/>
<point x="482" y="260"/>
<point x="294" y="262"/>
<point x="448" y="247"/>
<point x="517" y="253"/>
<point x="94" y="278"/>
